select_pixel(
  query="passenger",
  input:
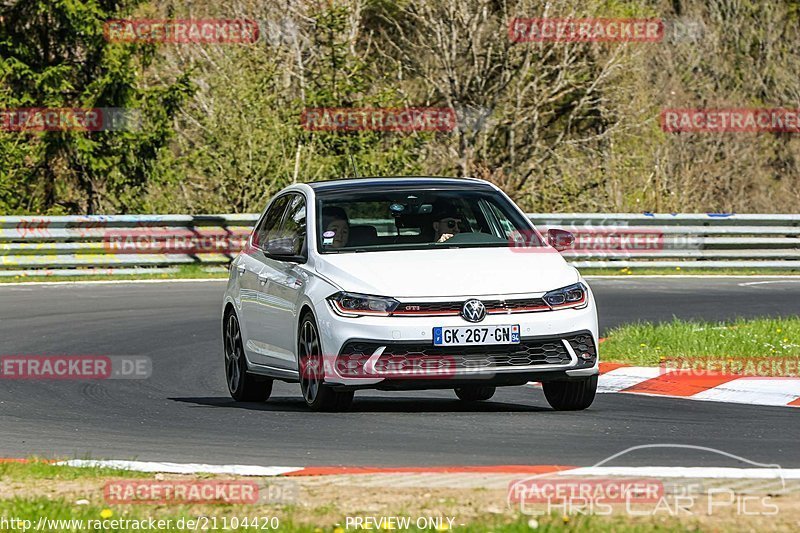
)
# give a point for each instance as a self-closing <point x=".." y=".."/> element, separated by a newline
<point x="334" y="219"/>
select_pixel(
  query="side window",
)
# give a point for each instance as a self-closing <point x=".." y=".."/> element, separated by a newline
<point x="270" y="224"/>
<point x="294" y="225"/>
<point x="506" y="227"/>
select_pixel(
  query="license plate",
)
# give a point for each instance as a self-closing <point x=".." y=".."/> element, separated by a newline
<point x="475" y="335"/>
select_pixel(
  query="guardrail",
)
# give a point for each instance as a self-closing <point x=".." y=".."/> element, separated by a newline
<point x="680" y="240"/>
<point x="123" y="244"/>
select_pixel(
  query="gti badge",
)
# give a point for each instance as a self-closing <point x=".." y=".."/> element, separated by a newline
<point x="473" y="311"/>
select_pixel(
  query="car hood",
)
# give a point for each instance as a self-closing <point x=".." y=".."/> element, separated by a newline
<point x="448" y="272"/>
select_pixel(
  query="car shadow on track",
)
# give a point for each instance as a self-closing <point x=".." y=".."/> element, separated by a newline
<point x="371" y="405"/>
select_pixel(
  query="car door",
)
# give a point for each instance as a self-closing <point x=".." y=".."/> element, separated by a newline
<point x="285" y="281"/>
<point x="252" y="270"/>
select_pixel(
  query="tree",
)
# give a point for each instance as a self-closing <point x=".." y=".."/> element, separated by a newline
<point x="53" y="54"/>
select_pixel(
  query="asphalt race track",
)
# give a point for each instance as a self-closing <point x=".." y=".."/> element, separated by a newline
<point x="183" y="412"/>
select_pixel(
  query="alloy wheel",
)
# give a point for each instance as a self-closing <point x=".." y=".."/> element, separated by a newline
<point x="233" y="354"/>
<point x="310" y="362"/>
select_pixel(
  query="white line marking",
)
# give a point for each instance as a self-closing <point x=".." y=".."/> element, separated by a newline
<point x="750" y="283"/>
<point x="685" y="472"/>
<point x="184" y="468"/>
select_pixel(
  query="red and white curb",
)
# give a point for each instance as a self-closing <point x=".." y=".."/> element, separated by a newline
<point x="658" y="381"/>
<point x="271" y="471"/>
<point x="479" y="471"/>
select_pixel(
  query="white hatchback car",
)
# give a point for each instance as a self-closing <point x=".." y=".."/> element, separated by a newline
<point x="402" y="284"/>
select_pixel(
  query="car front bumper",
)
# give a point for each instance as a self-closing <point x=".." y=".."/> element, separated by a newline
<point x="398" y="353"/>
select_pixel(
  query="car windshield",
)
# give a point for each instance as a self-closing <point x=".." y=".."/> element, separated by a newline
<point x="415" y="219"/>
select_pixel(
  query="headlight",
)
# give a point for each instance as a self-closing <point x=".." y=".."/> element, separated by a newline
<point x="572" y="296"/>
<point x="352" y="304"/>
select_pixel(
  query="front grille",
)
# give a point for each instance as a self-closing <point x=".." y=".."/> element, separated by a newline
<point x="528" y="353"/>
<point x="424" y="359"/>
<point x="518" y="305"/>
<point x="425" y="308"/>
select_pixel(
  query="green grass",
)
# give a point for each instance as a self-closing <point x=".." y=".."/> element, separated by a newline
<point x="184" y="272"/>
<point x="573" y="523"/>
<point x="59" y="509"/>
<point x="40" y="469"/>
<point x="301" y="517"/>
<point x="646" y="344"/>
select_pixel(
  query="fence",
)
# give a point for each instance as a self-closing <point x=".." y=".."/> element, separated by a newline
<point x="122" y="244"/>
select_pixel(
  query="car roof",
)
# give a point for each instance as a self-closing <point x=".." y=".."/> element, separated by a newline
<point x="398" y="181"/>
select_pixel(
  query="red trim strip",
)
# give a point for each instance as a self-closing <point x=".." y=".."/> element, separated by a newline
<point x="497" y="469"/>
<point x="570" y="304"/>
<point x="426" y="313"/>
<point x="488" y="312"/>
<point x="519" y="310"/>
<point x="795" y="403"/>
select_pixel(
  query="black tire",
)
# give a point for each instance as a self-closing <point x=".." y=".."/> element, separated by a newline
<point x="570" y="395"/>
<point x="475" y="393"/>
<point x="243" y="386"/>
<point x="311" y="365"/>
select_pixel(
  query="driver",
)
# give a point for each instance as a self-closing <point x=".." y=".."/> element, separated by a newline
<point x="446" y="221"/>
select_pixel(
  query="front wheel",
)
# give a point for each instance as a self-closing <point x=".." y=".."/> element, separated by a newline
<point x="244" y="387"/>
<point x="311" y="365"/>
<point x="570" y="395"/>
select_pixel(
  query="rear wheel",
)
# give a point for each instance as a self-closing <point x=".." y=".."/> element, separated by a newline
<point x="311" y="364"/>
<point x="475" y="393"/>
<point x="244" y="387"/>
<point x="570" y="395"/>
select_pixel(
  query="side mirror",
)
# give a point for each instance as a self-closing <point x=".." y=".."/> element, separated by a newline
<point x="280" y="247"/>
<point x="285" y="249"/>
<point x="560" y="239"/>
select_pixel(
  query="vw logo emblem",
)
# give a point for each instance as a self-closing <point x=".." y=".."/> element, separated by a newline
<point x="473" y="311"/>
